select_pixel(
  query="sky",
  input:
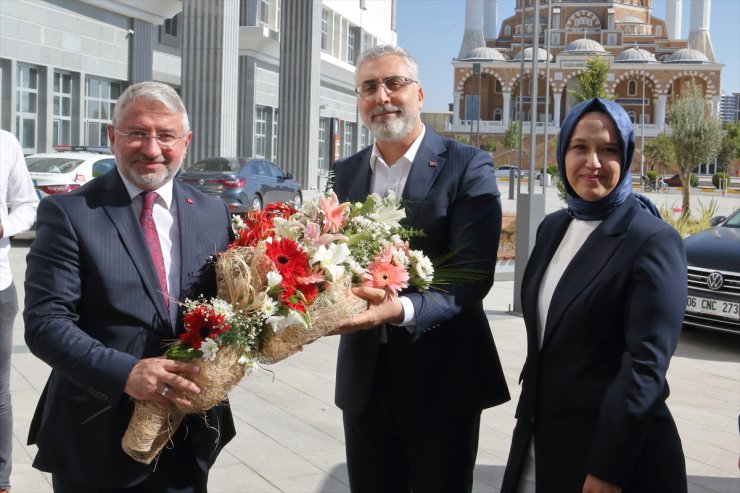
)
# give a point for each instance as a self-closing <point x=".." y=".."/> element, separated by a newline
<point x="432" y="31"/>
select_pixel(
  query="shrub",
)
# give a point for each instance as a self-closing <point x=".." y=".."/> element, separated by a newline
<point x="686" y="225"/>
<point x="652" y="176"/>
<point x="551" y="170"/>
<point x="720" y="180"/>
<point x="693" y="180"/>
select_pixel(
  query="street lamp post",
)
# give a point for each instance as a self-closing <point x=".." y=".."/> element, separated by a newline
<point x="642" y="124"/>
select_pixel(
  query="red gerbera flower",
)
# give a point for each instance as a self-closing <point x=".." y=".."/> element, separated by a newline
<point x="292" y="298"/>
<point x="202" y="322"/>
<point x="280" y="210"/>
<point x="289" y="259"/>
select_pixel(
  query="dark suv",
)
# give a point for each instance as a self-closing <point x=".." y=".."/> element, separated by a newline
<point x="243" y="183"/>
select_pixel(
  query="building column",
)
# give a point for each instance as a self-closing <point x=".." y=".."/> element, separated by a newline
<point x="557" y="96"/>
<point x="300" y="65"/>
<point x="456" y="107"/>
<point x="210" y="63"/>
<point x="140" y="51"/>
<point x="507" y="108"/>
<point x="660" y="111"/>
<point x="45" y="137"/>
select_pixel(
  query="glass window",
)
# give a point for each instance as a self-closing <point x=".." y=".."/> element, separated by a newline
<point x="100" y="97"/>
<point x="62" y="108"/>
<point x="323" y="127"/>
<point x="170" y="26"/>
<point x="273" y="148"/>
<point x="347" y="140"/>
<point x="351" y="45"/>
<point x="260" y="131"/>
<point x="263" y="13"/>
<point x="632" y="88"/>
<point x="26" y="107"/>
<point x="324" y="30"/>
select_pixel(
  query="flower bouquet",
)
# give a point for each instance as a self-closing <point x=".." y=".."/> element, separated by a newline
<point x="284" y="282"/>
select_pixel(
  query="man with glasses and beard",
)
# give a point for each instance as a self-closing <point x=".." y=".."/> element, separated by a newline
<point x="415" y="371"/>
<point x="103" y="275"/>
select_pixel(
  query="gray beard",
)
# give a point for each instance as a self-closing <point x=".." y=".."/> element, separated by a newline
<point x="394" y="130"/>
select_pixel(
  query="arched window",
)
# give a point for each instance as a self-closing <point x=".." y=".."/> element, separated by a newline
<point x="659" y="31"/>
<point x="497" y="115"/>
<point x="507" y="30"/>
<point x="632" y="116"/>
<point x="632" y="88"/>
<point x="497" y="87"/>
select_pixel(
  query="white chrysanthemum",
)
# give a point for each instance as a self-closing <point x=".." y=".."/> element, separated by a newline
<point x="270" y="307"/>
<point x="332" y="259"/>
<point x="237" y="223"/>
<point x="209" y="348"/>
<point x="423" y="266"/>
<point x="285" y="228"/>
<point x="273" y="279"/>
<point x="399" y="257"/>
<point x="222" y="307"/>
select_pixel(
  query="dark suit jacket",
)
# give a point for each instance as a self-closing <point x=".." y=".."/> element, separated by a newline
<point x="594" y="393"/>
<point x="93" y="309"/>
<point x="451" y="195"/>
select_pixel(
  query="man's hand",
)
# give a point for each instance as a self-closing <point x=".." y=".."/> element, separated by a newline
<point x="382" y="307"/>
<point x="595" y="485"/>
<point x="158" y="379"/>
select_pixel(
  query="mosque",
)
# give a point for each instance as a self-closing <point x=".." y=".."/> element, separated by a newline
<point x="649" y="62"/>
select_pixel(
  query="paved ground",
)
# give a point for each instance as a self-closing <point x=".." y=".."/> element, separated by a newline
<point x="289" y="433"/>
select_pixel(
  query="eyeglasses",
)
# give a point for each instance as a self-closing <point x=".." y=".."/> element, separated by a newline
<point x="394" y="83"/>
<point x="137" y="138"/>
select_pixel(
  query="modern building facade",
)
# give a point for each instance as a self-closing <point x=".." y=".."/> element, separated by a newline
<point x="263" y="78"/>
<point x="648" y="65"/>
<point x="730" y="107"/>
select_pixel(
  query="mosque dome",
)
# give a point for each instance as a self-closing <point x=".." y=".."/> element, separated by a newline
<point x="630" y="19"/>
<point x="687" y="55"/>
<point x="541" y="55"/>
<point x="635" y="55"/>
<point x="584" y="45"/>
<point x="485" y="53"/>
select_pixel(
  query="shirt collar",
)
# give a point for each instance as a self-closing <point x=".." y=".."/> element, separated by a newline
<point x="409" y="156"/>
<point x="165" y="191"/>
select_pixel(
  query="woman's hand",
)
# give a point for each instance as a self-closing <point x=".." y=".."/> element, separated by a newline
<point x="595" y="485"/>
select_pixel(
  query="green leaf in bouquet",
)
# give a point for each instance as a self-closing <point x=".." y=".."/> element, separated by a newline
<point x="180" y="352"/>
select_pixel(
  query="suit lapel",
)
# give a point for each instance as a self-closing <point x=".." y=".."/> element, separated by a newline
<point x="359" y="182"/>
<point x="117" y="205"/>
<point x="587" y="264"/>
<point x="425" y="169"/>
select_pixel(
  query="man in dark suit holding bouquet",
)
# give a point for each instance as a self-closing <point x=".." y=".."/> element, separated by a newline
<point x="102" y="275"/>
<point x="415" y="371"/>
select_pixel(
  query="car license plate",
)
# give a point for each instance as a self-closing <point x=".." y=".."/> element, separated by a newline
<point x="718" y="308"/>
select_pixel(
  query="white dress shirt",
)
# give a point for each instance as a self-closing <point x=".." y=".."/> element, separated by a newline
<point x="16" y="193"/>
<point x="168" y="230"/>
<point x="393" y="177"/>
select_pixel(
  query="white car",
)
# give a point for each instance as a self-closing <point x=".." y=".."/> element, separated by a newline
<point x="60" y="172"/>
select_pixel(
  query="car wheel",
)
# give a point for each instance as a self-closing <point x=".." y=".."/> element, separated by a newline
<point x="257" y="203"/>
<point x="297" y="201"/>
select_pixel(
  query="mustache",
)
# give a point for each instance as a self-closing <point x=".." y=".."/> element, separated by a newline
<point x="386" y="108"/>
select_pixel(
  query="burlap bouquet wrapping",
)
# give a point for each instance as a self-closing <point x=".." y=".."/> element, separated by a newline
<point x="241" y="277"/>
<point x="153" y="423"/>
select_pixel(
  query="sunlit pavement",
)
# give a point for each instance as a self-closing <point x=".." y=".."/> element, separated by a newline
<point x="289" y="433"/>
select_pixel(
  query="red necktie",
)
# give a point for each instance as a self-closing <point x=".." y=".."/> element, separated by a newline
<point x="152" y="241"/>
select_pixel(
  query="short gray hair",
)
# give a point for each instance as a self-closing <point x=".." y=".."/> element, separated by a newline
<point x="152" y="91"/>
<point x="384" y="50"/>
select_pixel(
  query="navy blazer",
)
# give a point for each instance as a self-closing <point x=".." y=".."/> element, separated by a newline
<point x="93" y="308"/>
<point x="451" y="195"/>
<point x="593" y="394"/>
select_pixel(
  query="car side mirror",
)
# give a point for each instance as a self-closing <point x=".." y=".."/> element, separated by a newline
<point x="716" y="220"/>
<point x="288" y="176"/>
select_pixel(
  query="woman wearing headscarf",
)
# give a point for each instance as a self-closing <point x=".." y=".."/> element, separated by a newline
<point x="603" y="297"/>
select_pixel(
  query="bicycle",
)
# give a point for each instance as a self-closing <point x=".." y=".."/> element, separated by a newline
<point x="651" y="186"/>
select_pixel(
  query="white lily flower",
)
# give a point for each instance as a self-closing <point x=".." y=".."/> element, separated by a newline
<point x="273" y="279"/>
<point x="332" y="259"/>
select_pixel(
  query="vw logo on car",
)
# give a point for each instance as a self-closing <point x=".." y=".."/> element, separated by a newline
<point x="715" y="281"/>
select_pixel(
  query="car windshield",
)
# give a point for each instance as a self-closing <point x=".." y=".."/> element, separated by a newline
<point x="734" y="221"/>
<point x="52" y="164"/>
<point x="214" y="166"/>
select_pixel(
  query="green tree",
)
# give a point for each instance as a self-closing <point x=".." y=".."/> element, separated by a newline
<point x="592" y="81"/>
<point x="512" y="138"/>
<point x="696" y="135"/>
<point x="660" y="154"/>
<point x="729" y="152"/>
